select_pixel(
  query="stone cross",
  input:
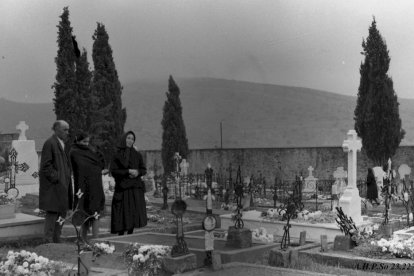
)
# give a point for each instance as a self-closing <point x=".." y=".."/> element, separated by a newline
<point x="352" y="145"/>
<point x="310" y="169"/>
<point x="22" y="127"/>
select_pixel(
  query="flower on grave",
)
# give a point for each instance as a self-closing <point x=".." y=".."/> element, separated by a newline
<point x="145" y="259"/>
<point x="98" y="249"/>
<point x="262" y="235"/>
<point x="5" y="199"/>
<point x="28" y="263"/>
<point x="397" y="246"/>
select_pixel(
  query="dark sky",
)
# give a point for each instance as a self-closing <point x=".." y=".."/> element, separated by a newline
<point x="309" y="43"/>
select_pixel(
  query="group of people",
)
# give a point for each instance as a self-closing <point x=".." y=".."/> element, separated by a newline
<point x="85" y="164"/>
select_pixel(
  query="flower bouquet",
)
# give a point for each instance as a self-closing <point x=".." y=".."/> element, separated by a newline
<point x="145" y="259"/>
<point x="27" y="263"/>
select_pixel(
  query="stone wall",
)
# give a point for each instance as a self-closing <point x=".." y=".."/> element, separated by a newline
<point x="293" y="161"/>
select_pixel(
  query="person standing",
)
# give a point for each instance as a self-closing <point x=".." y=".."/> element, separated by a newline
<point x="128" y="202"/>
<point x="88" y="167"/>
<point x="372" y="189"/>
<point x="55" y="185"/>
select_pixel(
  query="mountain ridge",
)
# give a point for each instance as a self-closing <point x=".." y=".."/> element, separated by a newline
<point x="253" y="115"/>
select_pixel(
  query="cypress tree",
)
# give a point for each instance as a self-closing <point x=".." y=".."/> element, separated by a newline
<point x="65" y="84"/>
<point x="377" y="119"/>
<point x="84" y="95"/>
<point x="174" y="138"/>
<point x="109" y="118"/>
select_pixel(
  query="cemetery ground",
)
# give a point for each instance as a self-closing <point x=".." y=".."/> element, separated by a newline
<point x="162" y="221"/>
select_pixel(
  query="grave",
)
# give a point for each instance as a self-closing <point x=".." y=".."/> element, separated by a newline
<point x="21" y="226"/>
<point x="252" y="219"/>
<point x="196" y="245"/>
<point x="26" y="162"/>
<point x="350" y="201"/>
<point x="309" y="189"/>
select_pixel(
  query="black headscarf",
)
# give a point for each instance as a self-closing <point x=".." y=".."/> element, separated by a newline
<point x="124" y="152"/>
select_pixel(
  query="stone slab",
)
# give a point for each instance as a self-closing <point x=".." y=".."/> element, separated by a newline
<point x="21" y="226"/>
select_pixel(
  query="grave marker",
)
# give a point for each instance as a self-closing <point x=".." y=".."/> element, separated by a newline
<point x="27" y="162"/>
<point x="350" y="201"/>
<point x="310" y="184"/>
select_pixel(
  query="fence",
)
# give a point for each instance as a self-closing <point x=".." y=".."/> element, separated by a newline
<point x="194" y="185"/>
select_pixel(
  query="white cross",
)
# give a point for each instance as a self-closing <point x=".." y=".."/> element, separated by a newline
<point x="352" y="145"/>
<point x="22" y="127"/>
<point x="310" y="169"/>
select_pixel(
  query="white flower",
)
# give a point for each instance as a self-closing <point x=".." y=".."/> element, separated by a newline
<point x="135" y="258"/>
<point x="25" y="264"/>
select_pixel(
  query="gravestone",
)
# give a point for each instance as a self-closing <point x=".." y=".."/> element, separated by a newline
<point x="379" y="179"/>
<point x="309" y="188"/>
<point x="350" y="201"/>
<point x="27" y="180"/>
<point x="339" y="185"/>
<point x="184" y="165"/>
<point x="340" y="176"/>
<point x="404" y="172"/>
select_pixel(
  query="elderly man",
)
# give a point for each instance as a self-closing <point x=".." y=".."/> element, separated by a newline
<point x="55" y="191"/>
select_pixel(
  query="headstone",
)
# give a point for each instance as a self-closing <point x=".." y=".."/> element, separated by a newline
<point x="27" y="180"/>
<point x="379" y="178"/>
<point x="310" y="184"/>
<point x="239" y="238"/>
<point x="184" y="165"/>
<point x="350" y="201"/>
<point x="340" y="175"/>
<point x="404" y="170"/>
<point x="343" y="243"/>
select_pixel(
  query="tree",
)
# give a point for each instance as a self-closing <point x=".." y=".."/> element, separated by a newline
<point x="377" y="119"/>
<point x="174" y="138"/>
<point x="84" y="94"/>
<point x="65" y="84"/>
<point x="109" y="119"/>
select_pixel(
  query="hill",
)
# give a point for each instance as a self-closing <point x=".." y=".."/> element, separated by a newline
<point x="252" y="115"/>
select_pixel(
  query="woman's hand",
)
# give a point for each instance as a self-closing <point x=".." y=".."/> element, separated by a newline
<point x="133" y="173"/>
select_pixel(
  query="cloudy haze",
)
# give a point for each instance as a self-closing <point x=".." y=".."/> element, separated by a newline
<point x="309" y="43"/>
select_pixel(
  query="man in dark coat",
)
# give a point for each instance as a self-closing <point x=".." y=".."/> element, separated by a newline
<point x="55" y="190"/>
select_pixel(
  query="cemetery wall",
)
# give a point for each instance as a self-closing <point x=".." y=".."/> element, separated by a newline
<point x="293" y="161"/>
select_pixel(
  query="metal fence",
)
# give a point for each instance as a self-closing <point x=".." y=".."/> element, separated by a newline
<point x="194" y="185"/>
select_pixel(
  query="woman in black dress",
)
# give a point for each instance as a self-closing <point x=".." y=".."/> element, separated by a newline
<point x="88" y="167"/>
<point x="128" y="202"/>
<point x="372" y="189"/>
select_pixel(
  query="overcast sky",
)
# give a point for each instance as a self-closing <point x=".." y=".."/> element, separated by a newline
<point x="309" y="43"/>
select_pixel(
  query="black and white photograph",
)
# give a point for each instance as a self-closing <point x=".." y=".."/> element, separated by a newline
<point x="126" y="125"/>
